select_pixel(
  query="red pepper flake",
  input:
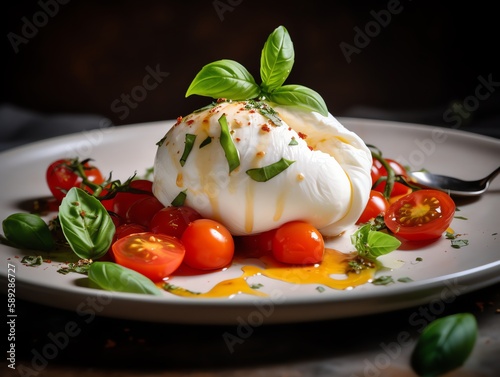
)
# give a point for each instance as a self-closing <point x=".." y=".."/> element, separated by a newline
<point x="220" y="100"/>
<point x="47" y="260"/>
<point x="302" y="136"/>
<point x="310" y="148"/>
<point x="265" y="128"/>
<point x="238" y="139"/>
<point x="190" y="121"/>
<point x="252" y="111"/>
<point x="179" y="120"/>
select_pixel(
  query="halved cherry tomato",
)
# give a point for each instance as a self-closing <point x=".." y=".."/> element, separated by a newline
<point x="60" y="178"/>
<point x="421" y="215"/>
<point x="298" y="242"/>
<point x="377" y="205"/>
<point x="153" y="255"/>
<point x="209" y="245"/>
<point x="173" y="221"/>
<point x="142" y="210"/>
<point x="123" y="200"/>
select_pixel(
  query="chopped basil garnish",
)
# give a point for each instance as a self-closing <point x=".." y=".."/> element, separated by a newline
<point x="265" y="110"/>
<point x="226" y="141"/>
<point x="293" y="141"/>
<point x="265" y="173"/>
<point x="458" y="243"/>
<point x="32" y="260"/>
<point x="188" y="145"/>
<point x="383" y="280"/>
<point x="179" y="199"/>
<point x="405" y="280"/>
<point x="205" y="142"/>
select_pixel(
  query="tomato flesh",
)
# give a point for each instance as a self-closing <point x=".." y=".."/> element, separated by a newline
<point x="421" y="215"/>
<point x="209" y="245"/>
<point x="298" y="242"/>
<point x="153" y="255"/>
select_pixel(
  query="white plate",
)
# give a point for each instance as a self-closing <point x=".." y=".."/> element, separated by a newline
<point x="443" y="273"/>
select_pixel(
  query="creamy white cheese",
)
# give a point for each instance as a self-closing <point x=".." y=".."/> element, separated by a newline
<point x="327" y="184"/>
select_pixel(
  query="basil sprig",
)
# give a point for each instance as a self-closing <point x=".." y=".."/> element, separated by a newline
<point x="229" y="79"/>
<point x="444" y="345"/>
<point x="114" y="277"/>
<point x="86" y="224"/>
<point x="372" y="243"/>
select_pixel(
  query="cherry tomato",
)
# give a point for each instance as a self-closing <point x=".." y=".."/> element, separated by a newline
<point x="153" y="255"/>
<point x="209" y="245"/>
<point x="378" y="170"/>
<point x="142" y="210"/>
<point x="173" y="221"/>
<point x="377" y="205"/>
<point x="421" y="215"/>
<point x="124" y="230"/>
<point x="60" y="178"/>
<point x="298" y="242"/>
<point x="257" y="244"/>
<point x="398" y="190"/>
<point x="123" y="200"/>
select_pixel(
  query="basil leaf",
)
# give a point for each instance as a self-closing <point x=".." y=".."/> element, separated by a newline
<point x="86" y="224"/>
<point x="226" y="141"/>
<point x="276" y="60"/>
<point x="188" y="145"/>
<point x="224" y="79"/>
<point x="372" y="243"/>
<point x="381" y="243"/>
<point x="114" y="277"/>
<point x="444" y="345"/>
<point x="265" y="173"/>
<point x="299" y="96"/>
<point x="26" y="230"/>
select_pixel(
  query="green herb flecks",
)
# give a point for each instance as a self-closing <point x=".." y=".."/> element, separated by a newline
<point x="32" y="260"/>
<point x="226" y="141"/>
<point x="265" y="173"/>
<point x="265" y="110"/>
<point x="188" y="146"/>
<point x="383" y="280"/>
<point x="229" y="79"/>
<point x="80" y="267"/>
<point x="444" y="345"/>
<point x="293" y="141"/>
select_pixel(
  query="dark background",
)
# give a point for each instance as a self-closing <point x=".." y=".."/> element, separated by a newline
<point x="88" y="54"/>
